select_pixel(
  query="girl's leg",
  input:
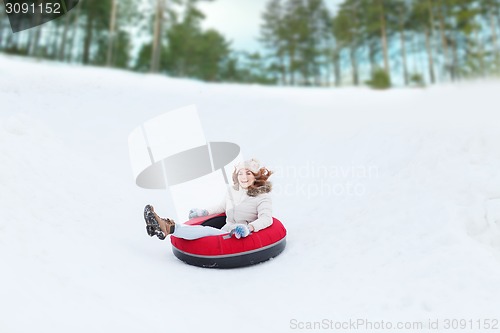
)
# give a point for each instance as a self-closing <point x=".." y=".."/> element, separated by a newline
<point x="181" y="230"/>
<point x="195" y="231"/>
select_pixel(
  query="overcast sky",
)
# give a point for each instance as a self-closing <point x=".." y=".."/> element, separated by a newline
<point x="239" y="20"/>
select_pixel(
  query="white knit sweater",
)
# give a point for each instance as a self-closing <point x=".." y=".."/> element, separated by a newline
<point x="242" y="208"/>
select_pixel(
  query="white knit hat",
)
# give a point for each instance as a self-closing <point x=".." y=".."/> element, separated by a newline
<point x="252" y="165"/>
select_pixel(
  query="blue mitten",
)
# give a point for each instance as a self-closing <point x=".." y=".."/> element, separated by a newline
<point x="241" y="230"/>
<point x="196" y="212"/>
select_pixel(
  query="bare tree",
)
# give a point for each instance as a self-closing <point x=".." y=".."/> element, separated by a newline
<point x="429" y="32"/>
<point x="403" y="41"/>
<point x="112" y="30"/>
<point x="157" y="36"/>
<point x="442" y="33"/>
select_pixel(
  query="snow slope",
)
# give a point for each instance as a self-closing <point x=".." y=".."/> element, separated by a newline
<point x="391" y="200"/>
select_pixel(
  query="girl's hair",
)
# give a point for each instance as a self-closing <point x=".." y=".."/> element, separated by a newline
<point x="261" y="177"/>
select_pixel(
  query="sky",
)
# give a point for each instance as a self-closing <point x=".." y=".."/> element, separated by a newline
<point x="240" y="20"/>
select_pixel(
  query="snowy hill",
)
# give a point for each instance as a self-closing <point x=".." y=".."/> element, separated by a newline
<point x="391" y="200"/>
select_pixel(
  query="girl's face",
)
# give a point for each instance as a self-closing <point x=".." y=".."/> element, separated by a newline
<point x="245" y="178"/>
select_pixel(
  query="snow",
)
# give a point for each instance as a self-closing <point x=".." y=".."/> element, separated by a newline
<point x="391" y="200"/>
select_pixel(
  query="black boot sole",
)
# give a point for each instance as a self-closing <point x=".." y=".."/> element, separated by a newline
<point x="152" y="226"/>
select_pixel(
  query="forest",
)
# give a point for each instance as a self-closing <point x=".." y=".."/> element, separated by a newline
<point x="302" y="42"/>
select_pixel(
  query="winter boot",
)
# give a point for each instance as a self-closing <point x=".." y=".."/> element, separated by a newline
<point x="157" y="226"/>
<point x="151" y="226"/>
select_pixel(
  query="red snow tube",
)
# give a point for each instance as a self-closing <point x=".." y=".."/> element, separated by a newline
<point x="223" y="252"/>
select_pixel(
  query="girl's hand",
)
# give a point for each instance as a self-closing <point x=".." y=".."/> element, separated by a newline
<point x="196" y="212"/>
<point x="241" y="231"/>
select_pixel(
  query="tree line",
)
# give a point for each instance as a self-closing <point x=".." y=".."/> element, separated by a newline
<point x="440" y="40"/>
<point x="303" y="41"/>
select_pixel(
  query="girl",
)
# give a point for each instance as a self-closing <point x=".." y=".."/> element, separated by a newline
<point x="247" y="205"/>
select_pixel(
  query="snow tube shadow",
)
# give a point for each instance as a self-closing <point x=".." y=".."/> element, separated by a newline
<point x="221" y="252"/>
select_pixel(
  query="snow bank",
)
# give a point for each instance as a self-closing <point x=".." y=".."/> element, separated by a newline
<point x="391" y="200"/>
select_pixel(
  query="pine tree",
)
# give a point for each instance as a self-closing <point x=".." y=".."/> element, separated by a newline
<point x="383" y="36"/>
<point x="465" y="25"/>
<point x="273" y="37"/>
<point x="3" y="25"/>
<point x="213" y="50"/>
<point x="402" y="14"/>
<point x="370" y="31"/>
<point x="111" y="33"/>
<point x="64" y="37"/>
<point x="490" y="10"/>
<point x="97" y="14"/>
<point x="420" y="26"/>
<point x="347" y="31"/>
<point x="184" y="39"/>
